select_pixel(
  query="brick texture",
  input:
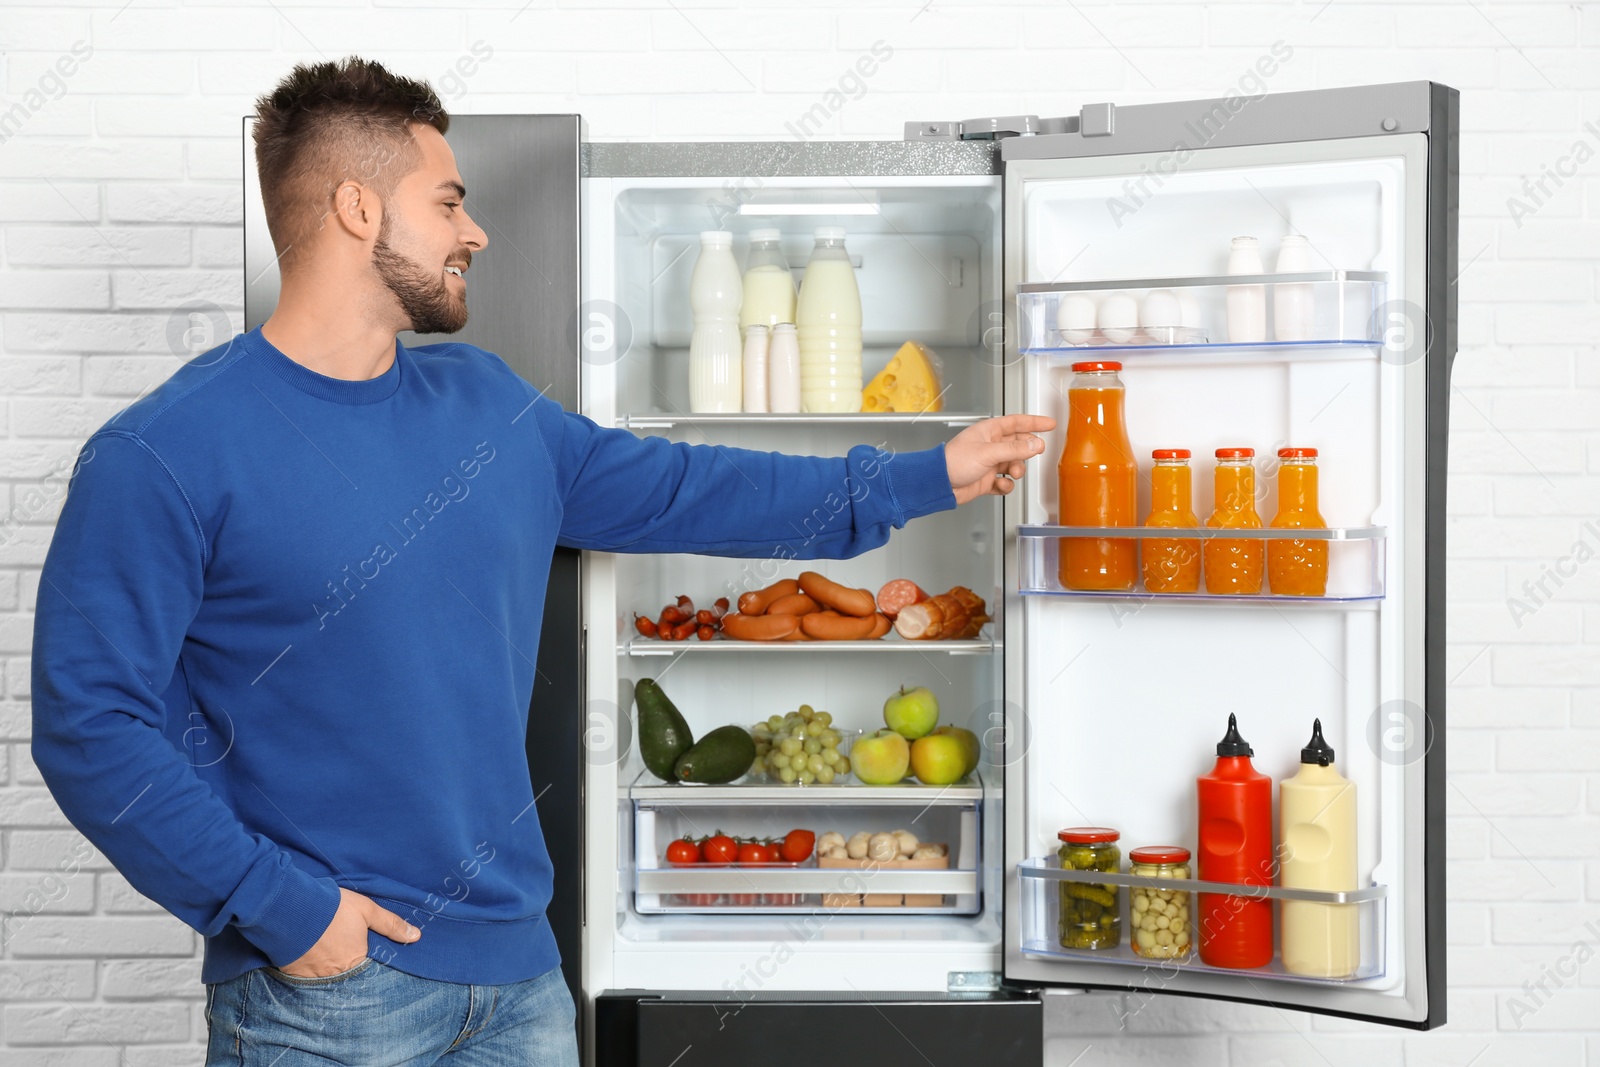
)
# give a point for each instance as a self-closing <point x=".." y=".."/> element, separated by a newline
<point x="120" y="202"/>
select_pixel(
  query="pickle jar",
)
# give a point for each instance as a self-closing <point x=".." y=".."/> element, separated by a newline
<point x="1091" y="913"/>
<point x="1158" y="919"/>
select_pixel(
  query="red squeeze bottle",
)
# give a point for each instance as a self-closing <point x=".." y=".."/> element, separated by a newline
<point x="1235" y="846"/>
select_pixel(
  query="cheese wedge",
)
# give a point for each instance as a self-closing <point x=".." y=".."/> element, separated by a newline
<point x="909" y="382"/>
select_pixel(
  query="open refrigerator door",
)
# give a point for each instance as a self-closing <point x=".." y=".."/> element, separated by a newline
<point x="1120" y="252"/>
<point x="922" y="227"/>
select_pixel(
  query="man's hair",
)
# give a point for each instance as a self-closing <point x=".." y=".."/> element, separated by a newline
<point x="327" y="123"/>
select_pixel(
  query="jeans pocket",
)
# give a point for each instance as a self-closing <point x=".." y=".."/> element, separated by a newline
<point x="322" y="979"/>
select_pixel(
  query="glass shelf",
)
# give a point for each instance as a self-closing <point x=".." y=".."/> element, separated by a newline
<point x="1041" y="909"/>
<point x="1329" y="314"/>
<point x="1355" y="562"/>
<point x="654" y="646"/>
<point x="759" y="791"/>
<point x="668" y="420"/>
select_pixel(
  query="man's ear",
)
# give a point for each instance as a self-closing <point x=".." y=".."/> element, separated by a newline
<point x="358" y="209"/>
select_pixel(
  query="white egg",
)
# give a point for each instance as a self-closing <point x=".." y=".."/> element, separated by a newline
<point x="1160" y="307"/>
<point x="1118" y="317"/>
<point x="1075" y="318"/>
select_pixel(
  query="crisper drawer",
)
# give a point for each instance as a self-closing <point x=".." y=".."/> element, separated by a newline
<point x="873" y="884"/>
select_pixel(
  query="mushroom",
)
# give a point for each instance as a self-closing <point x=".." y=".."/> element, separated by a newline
<point x="883" y="847"/>
<point x="907" y="841"/>
<point x="856" y="849"/>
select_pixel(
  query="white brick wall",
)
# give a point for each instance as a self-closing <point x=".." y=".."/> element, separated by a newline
<point x="119" y="199"/>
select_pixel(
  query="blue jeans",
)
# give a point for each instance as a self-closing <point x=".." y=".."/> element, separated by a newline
<point x="375" y="1016"/>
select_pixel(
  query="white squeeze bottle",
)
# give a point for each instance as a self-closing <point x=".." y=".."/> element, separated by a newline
<point x="716" y="382"/>
<point x="828" y="319"/>
<point x="1317" y="810"/>
<point x="768" y="285"/>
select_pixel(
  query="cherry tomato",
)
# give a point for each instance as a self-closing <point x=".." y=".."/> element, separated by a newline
<point x="720" y="849"/>
<point x="798" y="845"/>
<point x="745" y="900"/>
<point x="683" y="851"/>
<point x="700" y="900"/>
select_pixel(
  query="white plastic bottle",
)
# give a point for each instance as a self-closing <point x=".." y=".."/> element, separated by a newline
<point x="768" y="285"/>
<point x="1293" y="303"/>
<point x="783" y="369"/>
<point x="755" y="367"/>
<point x="715" y="294"/>
<point x="1247" y="304"/>
<point x="828" y="321"/>
<point x="1317" y="810"/>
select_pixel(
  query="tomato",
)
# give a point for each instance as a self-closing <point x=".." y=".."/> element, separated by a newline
<point x="757" y="854"/>
<point x="745" y="900"/>
<point x="683" y="851"/>
<point x="798" y="846"/>
<point x="720" y="849"/>
<point x="700" y="900"/>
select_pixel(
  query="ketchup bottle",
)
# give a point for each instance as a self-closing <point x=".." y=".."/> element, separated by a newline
<point x="1235" y="846"/>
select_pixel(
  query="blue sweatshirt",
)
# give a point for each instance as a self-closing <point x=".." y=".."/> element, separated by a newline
<point x="286" y="631"/>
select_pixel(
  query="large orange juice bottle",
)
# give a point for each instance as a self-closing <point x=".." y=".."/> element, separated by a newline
<point x="1171" y="565"/>
<point x="1234" y="565"/>
<point x="1297" y="568"/>
<point x="1099" y="482"/>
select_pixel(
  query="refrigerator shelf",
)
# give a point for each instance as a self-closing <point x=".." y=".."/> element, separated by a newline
<point x="756" y="791"/>
<point x="735" y="879"/>
<point x="1355" y="563"/>
<point x="1041" y="907"/>
<point x="669" y="420"/>
<point x="1193" y="281"/>
<point x="654" y="646"/>
<point x="1151" y="353"/>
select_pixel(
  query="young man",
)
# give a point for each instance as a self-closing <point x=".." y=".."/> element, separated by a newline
<point x="284" y="635"/>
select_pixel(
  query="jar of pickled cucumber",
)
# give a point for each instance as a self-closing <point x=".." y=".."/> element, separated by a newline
<point x="1091" y="914"/>
<point x="1158" y="921"/>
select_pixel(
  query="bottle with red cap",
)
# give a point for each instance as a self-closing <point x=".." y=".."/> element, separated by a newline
<point x="1235" y="845"/>
<point x="1233" y="565"/>
<point x="1297" y="568"/>
<point x="1098" y="481"/>
<point x="1171" y="565"/>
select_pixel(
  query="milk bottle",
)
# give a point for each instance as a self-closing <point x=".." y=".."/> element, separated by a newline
<point x="1317" y="809"/>
<point x="716" y="382"/>
<point x="768" y="285"/>
<point x="828" y="317"/>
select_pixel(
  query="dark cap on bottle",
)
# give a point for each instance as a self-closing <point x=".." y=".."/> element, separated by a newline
<point x="1317" y="750"/>
<point x="1232" y="744"/>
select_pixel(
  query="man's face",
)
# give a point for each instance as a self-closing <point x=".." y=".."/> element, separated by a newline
<point x="424" y="233"/>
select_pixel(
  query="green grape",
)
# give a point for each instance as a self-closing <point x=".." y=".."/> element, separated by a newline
<point x="825" y="718"/>
<point x="806" y="710"/>
<point x="814" y="763"/>
<point x="831" y="757"/>
<point x="774" y="723"/>
<point x="843" y="766"/>
<point x="806" y="777"/>
<point x="813" y="746"/>
<point x="825" y="776"/>
<point x="778" y="761"/>
<point x="791" y="746"/>
<point x="831" y="738"/>
<point x="815" y="728"/>
<point x="787" y="774"/>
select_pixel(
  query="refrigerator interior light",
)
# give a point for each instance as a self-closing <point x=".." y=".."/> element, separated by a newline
<point x="854" y="208"/>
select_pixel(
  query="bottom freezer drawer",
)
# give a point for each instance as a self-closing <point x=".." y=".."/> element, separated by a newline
<point x="640" y="1029"/>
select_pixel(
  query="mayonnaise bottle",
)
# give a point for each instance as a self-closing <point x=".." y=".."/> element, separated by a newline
<point x="1317" y="811"/>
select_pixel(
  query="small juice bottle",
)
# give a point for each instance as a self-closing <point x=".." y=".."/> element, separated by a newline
<point x="1234" y="566"/>
<point x="1171" y="565"/>
<point x="1297" y="568"/>
<point x="1098" y="481"/>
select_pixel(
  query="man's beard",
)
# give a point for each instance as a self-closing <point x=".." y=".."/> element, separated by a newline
<point x="424" y="298"/>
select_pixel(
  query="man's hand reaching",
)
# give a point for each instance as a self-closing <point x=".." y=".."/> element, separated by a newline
<point x="989" y="456"/>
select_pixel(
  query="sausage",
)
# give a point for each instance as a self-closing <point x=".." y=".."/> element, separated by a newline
<point x="742" y="627"/>
<point x="832" y="626"/>
<point x="793" y="604"/>
<point x="756" y="603"/>
<point x="840" y="598"/>
<point x="899" y="594"/>
<point x="881" y="625"/>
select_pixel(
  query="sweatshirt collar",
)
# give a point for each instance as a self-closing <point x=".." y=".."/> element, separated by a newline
<point x="339" y="390"/>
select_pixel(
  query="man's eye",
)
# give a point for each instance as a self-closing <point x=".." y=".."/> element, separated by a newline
<point x="451" y="203"/>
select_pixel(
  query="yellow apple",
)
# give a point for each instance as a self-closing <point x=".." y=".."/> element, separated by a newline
<point x="939" y="759"/>
<point x="969" y="743"/>
<point x="881" y="759"/>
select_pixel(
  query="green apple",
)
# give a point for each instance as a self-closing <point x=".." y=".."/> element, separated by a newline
<point x="912" y="713"/>
<point x="881" y="759"/>
<point x="939" y="759"/>
<point x="969" y="743"/>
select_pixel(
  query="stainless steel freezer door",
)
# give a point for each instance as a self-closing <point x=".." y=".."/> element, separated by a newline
<point x="1415" y="125"/>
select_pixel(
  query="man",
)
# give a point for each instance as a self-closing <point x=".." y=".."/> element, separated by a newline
<point x="282" y="660"/>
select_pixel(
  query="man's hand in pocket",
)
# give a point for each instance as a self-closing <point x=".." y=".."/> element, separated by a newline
<point x="344" y="943"/>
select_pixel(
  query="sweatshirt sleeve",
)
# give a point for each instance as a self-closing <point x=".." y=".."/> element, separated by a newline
<point x="624" y="493"/>
<point x="120" y="585"/>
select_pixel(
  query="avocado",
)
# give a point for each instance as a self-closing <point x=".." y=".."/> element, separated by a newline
<point x="720" y="756"/>
<point x="663" y="735"/>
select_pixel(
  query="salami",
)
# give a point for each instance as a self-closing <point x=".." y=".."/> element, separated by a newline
<point x="898" y="595"/>
<point x="840" y="598"/>
<point x="957" y="614"/>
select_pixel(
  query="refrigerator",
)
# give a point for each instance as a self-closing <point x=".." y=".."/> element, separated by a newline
<point x="984" y="239"/>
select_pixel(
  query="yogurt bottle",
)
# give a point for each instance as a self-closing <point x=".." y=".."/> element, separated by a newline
<point x="716" y="380"/>
<point x="828" y="320"/>
<point x="768" y="285"/>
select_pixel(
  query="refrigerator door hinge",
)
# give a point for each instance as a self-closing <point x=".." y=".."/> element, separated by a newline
<point x="1097" y="120"/>
<point x="988" y="128"/>
<point x="974" y="981"/>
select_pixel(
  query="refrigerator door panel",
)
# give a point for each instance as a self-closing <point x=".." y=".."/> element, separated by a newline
<point x="1114" y="702"/>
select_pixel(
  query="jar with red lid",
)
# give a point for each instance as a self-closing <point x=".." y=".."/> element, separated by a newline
<point x="1091" y="913"/>
<point x="1158" y="919"/>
